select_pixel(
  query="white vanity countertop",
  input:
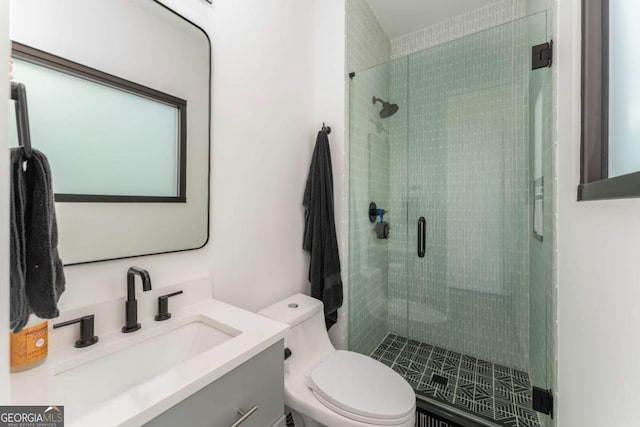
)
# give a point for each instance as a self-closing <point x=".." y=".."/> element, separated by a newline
<point x="149" y="399"/>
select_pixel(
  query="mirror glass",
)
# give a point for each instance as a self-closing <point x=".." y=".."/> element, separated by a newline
<point x="119" y="102"/>
<point x="110" y="126"/>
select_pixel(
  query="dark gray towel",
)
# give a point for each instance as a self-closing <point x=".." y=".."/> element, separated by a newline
<point x="320" y="232"/>
<point x="19" y="308"/>
<point x="37" y="275"/>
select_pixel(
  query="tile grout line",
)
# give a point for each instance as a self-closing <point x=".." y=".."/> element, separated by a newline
<point x="441" y="373"/>
<point x="416" y="350"/>
<point x="379" y="344"/>
<point x="399" y="351"/>
<point x="455" y="390"/>
<point x="409" y="357"/>
<point x="513" y="400"/>
<point x="426" y="365"/>
<point x="493" y="390"/>
<point x="473" y="396"/>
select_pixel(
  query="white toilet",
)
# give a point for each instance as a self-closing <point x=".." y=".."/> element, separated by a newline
<point x="335" y="388"/>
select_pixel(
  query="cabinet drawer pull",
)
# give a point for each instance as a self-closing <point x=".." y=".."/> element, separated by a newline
<point x="244" y="415"/>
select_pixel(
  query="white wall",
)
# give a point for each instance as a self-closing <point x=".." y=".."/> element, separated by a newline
<point x="262" y="141"/>
<point x="4" y="208"/>
<point x="268" y="108"/>
<point x="598" y="269"/>
<point x="329" y="96"/>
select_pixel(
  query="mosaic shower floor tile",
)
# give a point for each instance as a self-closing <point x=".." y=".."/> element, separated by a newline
<point x="493" y="392"/>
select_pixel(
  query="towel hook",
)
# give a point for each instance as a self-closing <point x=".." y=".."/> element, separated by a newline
<point x="326" y="129"/>
<point x="19" y="95"/>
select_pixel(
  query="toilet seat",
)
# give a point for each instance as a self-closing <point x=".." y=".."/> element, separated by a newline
<point x="362" y="389"/>
<point x="363" y="419"/>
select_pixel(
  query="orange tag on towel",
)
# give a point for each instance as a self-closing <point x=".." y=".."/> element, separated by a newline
<point x="29" y="346"/>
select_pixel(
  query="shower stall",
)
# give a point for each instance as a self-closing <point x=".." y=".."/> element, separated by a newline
<point x="457" y="296"/>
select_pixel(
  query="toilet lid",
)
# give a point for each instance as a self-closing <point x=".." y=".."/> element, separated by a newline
<point x="362" y="386"/>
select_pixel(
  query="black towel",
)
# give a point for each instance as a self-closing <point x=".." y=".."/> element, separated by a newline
<point x="320" y="232"/>
<point x="37" y="275"/>
<point x="19" y="309"/>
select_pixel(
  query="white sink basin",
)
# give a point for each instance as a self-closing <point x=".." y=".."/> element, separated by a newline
<point x="128" y="379"/>
<point x="96" y="381"/>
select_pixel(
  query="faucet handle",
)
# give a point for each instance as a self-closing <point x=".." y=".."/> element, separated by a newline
<point x="87" y="336"/>
<point x="163" y="306"/>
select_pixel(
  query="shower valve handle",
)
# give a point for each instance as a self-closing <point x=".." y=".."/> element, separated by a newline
<point x="374" y="212"/>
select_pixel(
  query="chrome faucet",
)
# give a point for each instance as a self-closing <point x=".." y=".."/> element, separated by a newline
<point x="131" y="306"/>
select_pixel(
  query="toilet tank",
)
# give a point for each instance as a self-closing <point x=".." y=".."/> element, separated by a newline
<point x="307" y="339"/>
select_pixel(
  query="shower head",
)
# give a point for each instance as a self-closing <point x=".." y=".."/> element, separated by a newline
<point x="388" y="109"/>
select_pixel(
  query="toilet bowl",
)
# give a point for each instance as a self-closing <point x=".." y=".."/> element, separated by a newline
<point x="336" y="388"/>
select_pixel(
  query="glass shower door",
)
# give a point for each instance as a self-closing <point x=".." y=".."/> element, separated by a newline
<point x="377" y="263"/>
<point x="453" y="143"/>
<point x="479" y="245"/>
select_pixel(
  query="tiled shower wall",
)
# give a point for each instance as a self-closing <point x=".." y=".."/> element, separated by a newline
<point x="367" y="45"/>
<point x="468" y="174"/>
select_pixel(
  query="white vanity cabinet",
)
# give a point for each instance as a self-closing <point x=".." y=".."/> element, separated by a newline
<point x="257" y="383"/>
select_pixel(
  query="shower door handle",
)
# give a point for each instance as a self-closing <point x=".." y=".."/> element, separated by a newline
<point x="422" y="236"/>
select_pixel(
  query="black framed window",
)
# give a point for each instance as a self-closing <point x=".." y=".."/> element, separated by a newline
<point x="108" y="139"/>
<point x="610" y="163"/>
